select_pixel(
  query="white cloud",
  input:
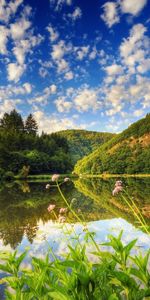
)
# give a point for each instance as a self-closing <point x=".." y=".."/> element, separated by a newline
<point x="114" y="70"/>
<point x="28" y="87"/>
<point x="112" y="10"/>
<point x="135" y="49"/>
<point x="77" y="14"/>
<point x="110" y="15"/>
<point x="93" y="53"/>
<point x="8" y="8"/>
<point x="82" y="52"/>
<point x="86" y="99"/>
<point x="114" y="110"/>
<point x="52" y="89"/>
<point x="133" y="7"/>
<point x="15" y="71"/>
<point x="18" y="29"/>
<point x="62" y="65"/>
<point x="144" y="66"/>
<point x="69" y="75"/>
<point x="62" y="105"/>
<point x="43" y="97"/>
<point x="54" y="123"/>
<point x="138" y="112"/>
<point x="4" y="33"/>
<point x="58" y="50"/>
<point x="58" y="4"/>
<point x="8" y="105"/>
<point x="53" y="33"/>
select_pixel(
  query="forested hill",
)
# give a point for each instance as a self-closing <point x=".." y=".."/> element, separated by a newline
<point x="127" y="152"/>
<point x="83" y="142"/>
<point x="23" y="150"/>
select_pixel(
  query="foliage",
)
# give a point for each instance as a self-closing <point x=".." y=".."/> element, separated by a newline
<point x="1" y="173"/>
<point x="126" y="153"/>
<point x="20" y="145"/>
<point x="83" y="142"/>
<point x="8" y="175"/>
<point x="31" y="126"/>
<point x="116" y="275"/>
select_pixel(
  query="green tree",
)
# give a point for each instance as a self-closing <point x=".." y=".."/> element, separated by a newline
<point x="12" y="122"/>
<point x="31" y="126"/>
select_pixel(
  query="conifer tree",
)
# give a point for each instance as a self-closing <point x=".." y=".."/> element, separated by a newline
<point x="31" y="126"/>
<point x="12" y="121"/>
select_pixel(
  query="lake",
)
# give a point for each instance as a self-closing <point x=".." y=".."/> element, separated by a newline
<point x="26" y="223"/>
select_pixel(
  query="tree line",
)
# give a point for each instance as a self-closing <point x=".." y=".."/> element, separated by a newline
<point x="21" y="146"/>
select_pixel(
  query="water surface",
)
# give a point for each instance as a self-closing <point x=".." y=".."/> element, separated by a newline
<point x="26" y="222"/>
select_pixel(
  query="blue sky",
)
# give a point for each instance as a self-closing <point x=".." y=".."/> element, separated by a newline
<point x="76" y="64"/>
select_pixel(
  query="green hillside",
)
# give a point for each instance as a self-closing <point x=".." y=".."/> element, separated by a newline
<point x="126" y="153"/>
<point x="83" y="142"/>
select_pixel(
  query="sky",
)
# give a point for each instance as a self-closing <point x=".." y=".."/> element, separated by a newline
<point x="75" y="64"/>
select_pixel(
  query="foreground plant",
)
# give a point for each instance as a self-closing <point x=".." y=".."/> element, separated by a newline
<point x="116" y="275"/>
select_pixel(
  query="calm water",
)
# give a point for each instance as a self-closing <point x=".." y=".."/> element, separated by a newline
<point x="25" y="221"/>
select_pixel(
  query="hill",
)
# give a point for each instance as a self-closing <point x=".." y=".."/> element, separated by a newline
<point x="127" y="152"/>
<point x="83" y="142"/>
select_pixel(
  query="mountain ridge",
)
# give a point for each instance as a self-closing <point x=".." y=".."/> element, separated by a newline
<point x="127" y="152"/>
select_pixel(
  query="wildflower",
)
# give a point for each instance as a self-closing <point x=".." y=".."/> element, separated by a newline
<point x="66" y="179"/>
<point x="51" y="207"/>
<point x="118" y="183"/>
<point x="47" y="186"/>
<point x="63" y="210"/>
<point x="118" y="187"/>
<point x="117" y="190"/>
<point x="61" y="219"/>
<point x="55" y="177"/>
<point x="79" y="210"/>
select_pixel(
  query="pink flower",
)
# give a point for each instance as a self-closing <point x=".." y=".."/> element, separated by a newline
<point x="61" y="219"/>
<point x="55" y="177"/>
<point x="118" y="183"/>
<point x="47" y="186"/>
<point x="63" y="210"/>
<point x="51" y="207"/>
<point x="117" y="190"/>
<point x="66" y="179"/>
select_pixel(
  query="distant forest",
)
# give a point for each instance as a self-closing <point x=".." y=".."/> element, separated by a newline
<point x="20" y="145"/>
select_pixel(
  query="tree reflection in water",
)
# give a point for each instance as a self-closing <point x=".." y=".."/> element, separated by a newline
<point x="23" y="205"/>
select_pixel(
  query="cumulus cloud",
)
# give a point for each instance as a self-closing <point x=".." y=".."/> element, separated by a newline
<point x="114" y="70"/>
<point x="53" y="34"/>
<point x="135" y="50"/>
<point x="86" y="99"/>
<point x="77" y="14"/>
<point x="133" y="7"/>
<point x="110" y="15"/>
<point x="15" y="71"/>
<point x="54" y="123"/>
<point x="25" y="46"/>
<point x="58" y="4"/>
<point x="4" y="34"/>
<point x="7" y="9"/>
<point x="81" y="52"/>
<point x="59" y="51"/>
<point x="8" y="105"/>
<point x="43" y="97"/>
<point x="19" y="28"/>
<point x="69" y="75"/>
<point x="62" y="105"/>
<point x="28" y="87"/>
<point x="112" y="10"/>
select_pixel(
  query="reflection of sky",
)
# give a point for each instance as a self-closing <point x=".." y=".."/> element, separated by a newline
<point x="58" y="236"/>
